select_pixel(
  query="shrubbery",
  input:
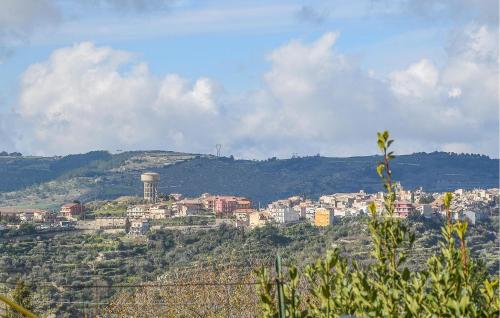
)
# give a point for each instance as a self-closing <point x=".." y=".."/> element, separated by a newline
<point x="452" y="285"/>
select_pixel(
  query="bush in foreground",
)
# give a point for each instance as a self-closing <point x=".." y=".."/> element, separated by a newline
<point x="452" y="285"/>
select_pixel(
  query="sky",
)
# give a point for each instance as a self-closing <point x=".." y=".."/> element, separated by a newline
<point x="261" y="78"/>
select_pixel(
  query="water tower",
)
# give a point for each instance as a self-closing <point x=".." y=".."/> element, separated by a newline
<point x="150" y="180"/>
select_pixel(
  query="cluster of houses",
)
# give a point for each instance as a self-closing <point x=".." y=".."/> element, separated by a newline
<point x="472" y="204"/>
<point x="45" y="219"/>
<point x="141" y="215"/>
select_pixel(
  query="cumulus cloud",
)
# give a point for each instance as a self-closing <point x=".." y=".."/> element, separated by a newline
<point x="317" y="99"/>
<point x="313" y="99"/>
<point x="457" y="103"/>
<point x="86" y="97"/>
<point x="417" y="80"/>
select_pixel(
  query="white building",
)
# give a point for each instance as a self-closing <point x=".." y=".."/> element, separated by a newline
<point x="138" y="212"/>
<point x="283" y="214"/>
<point x="157" y="212"/>
<point x="310" y="212"/>
<point x="139" y="227"/>
<point x="26" y="216"/>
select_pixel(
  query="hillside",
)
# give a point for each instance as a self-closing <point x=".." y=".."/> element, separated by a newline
<point x="84" y="259"/>
<point x="43" y="181"/>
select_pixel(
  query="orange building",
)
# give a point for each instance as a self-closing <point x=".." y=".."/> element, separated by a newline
<point x="70" y="210"/>
<point x="323" y="217"/>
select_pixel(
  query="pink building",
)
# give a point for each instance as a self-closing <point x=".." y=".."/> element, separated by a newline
<point x="403" y="209"/>
<point x="225" y="205"/>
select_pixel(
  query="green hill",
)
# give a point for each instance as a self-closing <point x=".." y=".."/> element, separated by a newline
<point x="100" y="175"/>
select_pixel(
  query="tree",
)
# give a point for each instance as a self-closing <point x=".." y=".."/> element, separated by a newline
<point x="127" y="225"/>
<point x="21" y="296"/>
<point x="453" y="284"/>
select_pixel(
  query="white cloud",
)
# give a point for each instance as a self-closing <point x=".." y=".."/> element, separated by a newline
<point x="316" y="99"/>
<point x="86" y="97"/>
<point x="416" y="81"/>
<point x="455" y="92"/>
<point x="471" y="73"/>
<point x="313" y="99"/>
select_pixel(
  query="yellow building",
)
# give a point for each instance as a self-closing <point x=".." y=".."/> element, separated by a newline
<point x="323" y="217"/>
<point x="257" y="219"/>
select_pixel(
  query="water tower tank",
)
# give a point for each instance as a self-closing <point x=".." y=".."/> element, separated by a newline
<point x="150" y="180"/>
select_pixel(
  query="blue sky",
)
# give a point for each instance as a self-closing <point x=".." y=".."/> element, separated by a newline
<point x="234" y="52"/>
<point x="234" y="61"/>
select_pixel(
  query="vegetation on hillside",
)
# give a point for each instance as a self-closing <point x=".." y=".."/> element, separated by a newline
<point x="51" y="266"/>
<point x="46" y="182"/>
<point x="377" y="268"/>
<point x="453" y="284"/>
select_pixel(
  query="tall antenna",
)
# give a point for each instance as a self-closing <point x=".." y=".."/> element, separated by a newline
<point x="218" y="147"/>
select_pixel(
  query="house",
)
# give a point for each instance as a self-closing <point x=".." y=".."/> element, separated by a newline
<point x="71" y="210"/>
<point x="158" y="212"/>
<point x="341" y="212"/>
<point x="26" y="216"/>
<point x="224" y="206"/>
<point x="283" y="214"/>
<point x="187" y="207"/>
<point x="323" y="217"/>
<point x="258" y="219"/>
<point x="43" y="216"/>
<point x="301" y="209"/>
<point x="139" y="227"/>
<point x="242" y="216"/>
<point x="403" y="209"/>
<point x="138" y="211"/>
<point x="310" y="211"/>
<point x="338" y="200"/>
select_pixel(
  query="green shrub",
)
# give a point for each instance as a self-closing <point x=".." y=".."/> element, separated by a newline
<point x="452" y="285"/>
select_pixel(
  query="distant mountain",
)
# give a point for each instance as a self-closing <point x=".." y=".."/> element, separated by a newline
<point x="100" y="175"/>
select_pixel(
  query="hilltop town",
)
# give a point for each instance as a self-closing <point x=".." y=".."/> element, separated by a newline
<point x="137" y="215"/>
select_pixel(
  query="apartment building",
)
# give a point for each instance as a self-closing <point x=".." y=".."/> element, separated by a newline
<point x="187" y="207"/>
<point x="323" y="217"/>
<point x="71" y="210"/>
<point x="283" y="214"/>
<point x="242" y="216"/>
<point x="403" y="209"/>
